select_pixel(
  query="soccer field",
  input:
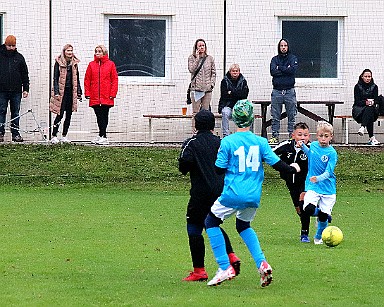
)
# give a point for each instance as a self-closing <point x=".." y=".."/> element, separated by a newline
<point x="124" y="243"/>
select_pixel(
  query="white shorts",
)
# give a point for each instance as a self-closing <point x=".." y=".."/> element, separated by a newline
<point x="324" y="202"/>
<point x="222" y="212"/>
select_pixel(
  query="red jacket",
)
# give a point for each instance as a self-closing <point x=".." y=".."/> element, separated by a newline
<point x="101" y="82"/>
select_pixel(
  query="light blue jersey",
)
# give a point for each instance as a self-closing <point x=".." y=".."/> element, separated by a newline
<point x="321" y="163"/>
<point x="242" y="154"/>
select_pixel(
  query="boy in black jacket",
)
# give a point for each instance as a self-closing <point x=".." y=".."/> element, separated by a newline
<point x="198" y="156"/>
<point x="289" y="153"/>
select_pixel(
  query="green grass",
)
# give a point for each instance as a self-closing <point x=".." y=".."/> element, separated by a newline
<point x="85" y="226"/>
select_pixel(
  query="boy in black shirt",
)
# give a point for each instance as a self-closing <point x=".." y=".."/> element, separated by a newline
<point x="198" y="156"/>
<point x="289" y="153"/>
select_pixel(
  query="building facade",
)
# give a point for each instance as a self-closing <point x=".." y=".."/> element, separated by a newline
<point x="150" y="42"/>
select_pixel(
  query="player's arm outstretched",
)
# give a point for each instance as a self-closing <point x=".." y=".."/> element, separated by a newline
<point x="281" y="166"/>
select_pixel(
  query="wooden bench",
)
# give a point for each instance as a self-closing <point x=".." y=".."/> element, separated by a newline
<point x="345" y="126"/>
<point x="171" y="116"/>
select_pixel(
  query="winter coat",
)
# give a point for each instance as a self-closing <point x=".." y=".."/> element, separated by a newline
<point x="62" y="81"/>
<point x="238" y="88"/>
<point x="362" y="92"/>
<point x="283" y="69"/>
<point x="101" y="82"/>
<point x="206" y="78"/>
<point x="13" y="71"/>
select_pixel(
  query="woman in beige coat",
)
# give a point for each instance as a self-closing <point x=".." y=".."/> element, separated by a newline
<point x="204" y="82"/>
<point x="65" y="92"/>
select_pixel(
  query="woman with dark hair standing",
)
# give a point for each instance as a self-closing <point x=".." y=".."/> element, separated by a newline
<point x="100" y="85"/>
<point x="364" y="110"/>
<point x="65" y="92"/>
<point x="202" y="66"/>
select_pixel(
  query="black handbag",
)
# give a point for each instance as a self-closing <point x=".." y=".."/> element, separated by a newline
<point x="189" y="100"/>
<point x="380" y="105"/>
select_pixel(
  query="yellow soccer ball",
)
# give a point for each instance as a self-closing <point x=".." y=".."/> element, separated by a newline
<point x="332" y="236"/>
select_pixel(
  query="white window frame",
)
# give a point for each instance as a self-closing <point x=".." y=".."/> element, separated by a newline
<point x="168" y="56"/>
<point x="321" y="81"/>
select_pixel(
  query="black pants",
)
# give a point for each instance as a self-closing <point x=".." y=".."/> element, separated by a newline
<point x="66" y="106"/>
<point x="102" y="113"/>
<point x="368" y="117"/>
<point x="295" y="191"/>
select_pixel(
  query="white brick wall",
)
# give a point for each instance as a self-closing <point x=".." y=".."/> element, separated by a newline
<point x="253" y="31"/>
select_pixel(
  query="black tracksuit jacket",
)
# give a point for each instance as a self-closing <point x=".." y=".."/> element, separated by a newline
<point x="198" y="157"/>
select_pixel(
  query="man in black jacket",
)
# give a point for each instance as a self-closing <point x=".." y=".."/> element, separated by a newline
<point x="198" y="156"/>
<point x="283" y="69"/>
<point x="14" y="83"/>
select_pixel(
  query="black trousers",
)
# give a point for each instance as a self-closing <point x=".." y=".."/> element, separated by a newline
<point x="66" y="106"/>
<point x="368" y="117"/>
<point x="295" y="191"/>
<point x="102" y="114"/>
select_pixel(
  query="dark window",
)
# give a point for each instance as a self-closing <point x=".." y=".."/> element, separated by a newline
<point x="137" y="46"/>
<point x="315" y="43"/>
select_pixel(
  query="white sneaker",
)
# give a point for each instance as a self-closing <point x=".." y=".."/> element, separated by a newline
<point x="373" y="141"/>
<point x="361" y="131"/>
<point x="96" y="139"/>
<point x="55" y="140"/>
<point x="265" y="271"/>
<point x="102" y="141"/>
<point x="222" y="275"/>
<point x="317" y="241"/>
<point x="64" y="139"/>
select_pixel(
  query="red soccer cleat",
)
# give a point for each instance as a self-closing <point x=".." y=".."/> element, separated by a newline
<point x="199" y="274"/>
<point x="235" y="262"/>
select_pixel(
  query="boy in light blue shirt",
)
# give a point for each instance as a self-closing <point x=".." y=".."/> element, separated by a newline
<point x="320" y="183"/>
<point x="240" y="158"/>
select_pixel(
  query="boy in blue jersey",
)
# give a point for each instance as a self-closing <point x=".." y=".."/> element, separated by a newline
<point x="240" y="158"/>
<point x="320" y="183"/>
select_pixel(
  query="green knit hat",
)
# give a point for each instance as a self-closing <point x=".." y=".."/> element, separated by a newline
<point x="242" y="113"/>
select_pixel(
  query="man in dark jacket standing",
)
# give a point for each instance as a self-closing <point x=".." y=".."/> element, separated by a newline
<point x="283" y="68"/>
<point x="14" y="83"/>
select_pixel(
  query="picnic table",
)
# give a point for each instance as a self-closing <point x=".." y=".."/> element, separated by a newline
<point x="310" y="114"/>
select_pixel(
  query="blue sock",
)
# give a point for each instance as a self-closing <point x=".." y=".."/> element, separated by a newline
<point x="250" y="239"/>
<point x="320" y="227"/>
<point x="316" y="213"/>
<point x="218" y="247"/>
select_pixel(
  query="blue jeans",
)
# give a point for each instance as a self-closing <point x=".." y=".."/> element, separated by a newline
<point x="14" y="99"/>
<point x="278" y="99"/>
<point x="226" y="113"/>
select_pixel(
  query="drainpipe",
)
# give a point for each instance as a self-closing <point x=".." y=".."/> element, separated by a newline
<point x="49" y="68"/>
<point x="225" y="38"/>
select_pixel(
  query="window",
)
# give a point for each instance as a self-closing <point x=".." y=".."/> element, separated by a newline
<point x="138" y="46"/>
<point x="316" y="45"/>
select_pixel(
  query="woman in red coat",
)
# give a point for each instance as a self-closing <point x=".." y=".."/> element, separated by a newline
<point x="100" y="84"/>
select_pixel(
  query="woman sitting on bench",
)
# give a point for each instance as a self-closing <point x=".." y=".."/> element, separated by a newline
<point x="364" y="110"/>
